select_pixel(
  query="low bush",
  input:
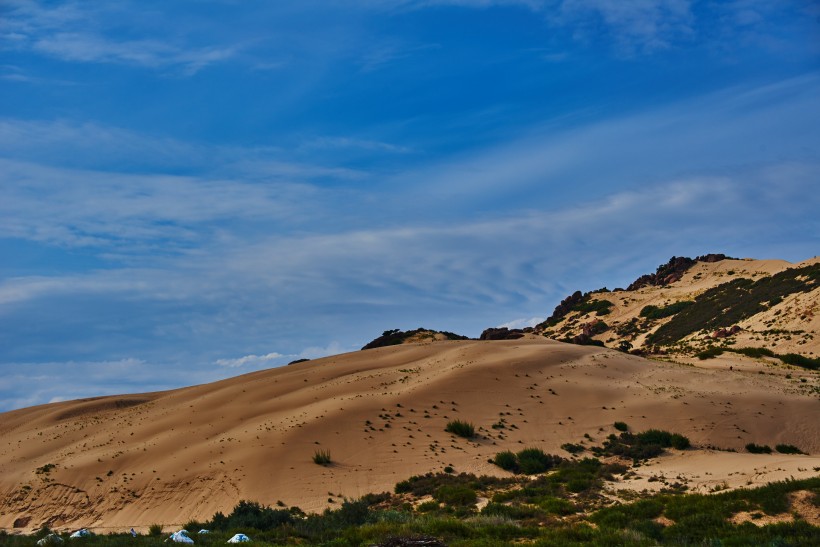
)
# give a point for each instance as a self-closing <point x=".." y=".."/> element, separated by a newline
<point x="788" y="449"/>
<point x="621" y="426"/>
<point x="641" y="446"/>
<point x="461" y="428"/>
<point x="758" y="448"/>
<point x="529" y="461"/>
<point x="800" y="361"/>
<point x="709" y="353"/>
<point x="757" y="353"/>
<point x="249" y="514"/>
<point x="427" y="484"/>
<point x="660" y="312"/>
<point x="573" y="448"/>
<point x="458" y="495"/>
<point x="506" y="460"/>
<point x="321" y="457"/>
<point x="600" y="307"/>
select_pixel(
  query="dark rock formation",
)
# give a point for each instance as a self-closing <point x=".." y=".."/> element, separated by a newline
<point x="667" y="273"/>
<point x="713" y="258"/>
<point x="725" y="333"/>
<point x="673" y="270"/>
<point x="502" y="333"/>
<point x="395" y="337"/>
<point x="562" y="309"/>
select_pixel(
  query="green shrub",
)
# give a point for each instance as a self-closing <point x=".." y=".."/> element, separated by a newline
<point x="709" y="353"/>
<point x="557" y="506"/>
<point x="788" y="449"/>
<point x="514" y="511"/>
<point x="573" y="448"/>
<point x="680" y="442"/>
<point x="800" y="361"/>
<point x="600" y="307"/>
<point x="456" y="495"/>
<point x="758" y="448"/>
<point x="427" y="506"/>
<point x="427" y="484"/>
<point x="155" y="530"/>
<point x="641" y="446"/>
<point x="529" y="461"/>
<point x="461" y="428"/>
<point x="753" y="352"/>
<point x="321" y="457"/>
<point x="656" y="312"/>
<point x="506" y="460"/>
<point x="250" y="514"/>
<point x="621" y="426"/>
<point x="533" y="460"/>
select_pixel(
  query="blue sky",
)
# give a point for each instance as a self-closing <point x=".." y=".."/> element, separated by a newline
<point x="192" y="190"/>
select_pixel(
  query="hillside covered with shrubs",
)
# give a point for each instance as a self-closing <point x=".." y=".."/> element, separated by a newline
<point x="696" y="306"/>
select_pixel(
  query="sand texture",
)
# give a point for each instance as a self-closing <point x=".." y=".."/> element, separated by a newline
<point x="111" y="463"/>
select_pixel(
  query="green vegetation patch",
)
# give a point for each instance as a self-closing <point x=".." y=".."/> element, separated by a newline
<point x="543" y="512"/>
<point x="588" y="305"/>
<point x="394" y="337"/>
<point x="757" y="353"/>
<point x="788" y="449"/>
<point x="641" y="446"/>
<point x="460" y="428"/>
<point x="661" y="312"/>
<point x="758" y="448"/>
<point x="322" y="457"/>
<point x="732" y="302"/>
<point x="529" y="461"/>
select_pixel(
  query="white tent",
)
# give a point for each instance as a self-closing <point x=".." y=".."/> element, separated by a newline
<point x="239" y="538"/>
<point x="181" y="537"/>
<point x="80" y="534"/>
<point x="51" y="539"/>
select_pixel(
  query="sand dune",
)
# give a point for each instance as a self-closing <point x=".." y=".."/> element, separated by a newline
<point x="169" y="457"/>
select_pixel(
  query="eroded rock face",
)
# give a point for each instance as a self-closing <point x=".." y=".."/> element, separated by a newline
<point x="562" y="309"/>
<point x="725" y="333"/>
<point x="673" y="270"/>
<point x="666" y="273"/>
<point x="502" y="333"/>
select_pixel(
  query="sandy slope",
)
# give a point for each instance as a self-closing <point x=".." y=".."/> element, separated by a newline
<point x="169" y="457"/>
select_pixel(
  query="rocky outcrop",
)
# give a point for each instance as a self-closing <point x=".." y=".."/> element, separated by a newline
<point x="725" y="333"/>
<point x="502" y="333"/>
<point x="666" y="273"/>
<point x="562" y="309"/>
<point x="673" y="270"/>
<point x="394" y="337"/>
<point x="713" y="258"/>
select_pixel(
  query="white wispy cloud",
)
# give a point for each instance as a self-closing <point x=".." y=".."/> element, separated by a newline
<point x="250" y="360"/>
<point x="328" y="142"/>
<point x="522" y="322"/>
<point x="82" y="32"/>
